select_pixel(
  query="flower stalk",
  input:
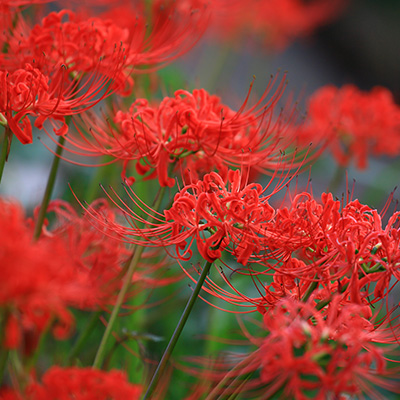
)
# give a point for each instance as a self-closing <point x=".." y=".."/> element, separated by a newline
<point x="5" y="149"/>
<point x="49" y="189"/>
<point x="178" y="330"/>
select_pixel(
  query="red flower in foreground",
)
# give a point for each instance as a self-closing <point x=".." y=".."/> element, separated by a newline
<point x="38" y="281"/>
<point x="354" y="124"/>
<point x="310" y="354"/>
<point x="78" y="384"/>
<point x="220" y="215"/>
<point x="98" y="251"/>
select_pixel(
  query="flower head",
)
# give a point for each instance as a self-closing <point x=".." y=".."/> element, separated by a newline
<point x="68" y="63"/>
<point x="79" y="384"/>
<point x="311" y="354"/>
<point x="190" y="130"/>
<point x="354" y="124"/>
<point x="38" y="280"/>
<point x="218" y="214"/>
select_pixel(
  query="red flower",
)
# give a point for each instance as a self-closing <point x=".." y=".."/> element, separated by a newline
<point x="277" y="22"/>
<point x="100" y="252"/>
<point x="353" y="124"/>
<point x="345" y="249"/>
<point x="27" y="92"/>
<point x="310" y="354"/>
<point x="195" y="129"/>
<point x="69" y="63"/>
<point x="218" y="217"/>
<point x="78" y="384"/>
<point x="38" y="281"/>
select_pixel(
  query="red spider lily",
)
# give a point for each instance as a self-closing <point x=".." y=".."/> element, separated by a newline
<point x="354" y="124"/>
<point x="192" y="128"/>
<point x="90" y="249"/>
<point x="79" y="42"/>
<point x="70" y="63"/>
<point x="38" y="283"/>
<point x="8" y="14"/>
<point x="78" y="383"/>
<point x="174" y="27"/>
<point x="326" y="243"/>
<point x="100" y="252"/>
<point x="27" y="92"/>
<point x="310" y="354"/>
<point x="277" y="22"/>
<point x="220" y="215"/>
<point x="317" y="249"/>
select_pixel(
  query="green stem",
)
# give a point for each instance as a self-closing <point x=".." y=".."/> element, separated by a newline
<point x="98" y="361"/>
<point x="178" y="330"/>
<point x="3" y="362"/>
<point x="84" y="335"/>
<point x="3" y="351"/>
<point x="32" y="360"/>
<point x="137" y="253"/>
<point x="49" y="189"/>
<point x="93" y="188"/>
<point x="311" y="288"/>
<point x="325" y="302"/>
<point x="5" y="150"/>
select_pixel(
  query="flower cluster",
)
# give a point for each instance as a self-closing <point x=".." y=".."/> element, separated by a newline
<point x="68" y="63"/>
<point x="310" y="354"/>
<point x="219" y="214"/>
<point x="353" y="124"/>
<point x="79" y="384"/>
<point x="191" y="131"/>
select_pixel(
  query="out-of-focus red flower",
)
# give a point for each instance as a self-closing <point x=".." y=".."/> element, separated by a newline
<point x="353" y="124"/>
<point x="102" y="254"/>
<point x="98" y="44"/>
<point x="173" y="26"/>
<point x="38" y="281"/>
<point x="78" y="384"/>
<point x="193" y="130"/>
<point x="276" y="22"/>
<point x="311" y="354"/>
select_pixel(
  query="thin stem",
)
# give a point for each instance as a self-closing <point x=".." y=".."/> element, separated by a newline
<point x="3" y="362"/>
<point x="94" y="184"/>
<point x="137" y="253"/>
<point x="98" y="361"/>
<point x="32" y="360"/>
<point x="311" y="288"/>
<point x="5" y="150"/>
<point x="325" y="302"/>
<point x="3" y="351"/>
<point x="83" y="337"/>
<point x="167" y="353"/>
<point x="49" y="189"/>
